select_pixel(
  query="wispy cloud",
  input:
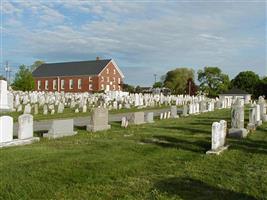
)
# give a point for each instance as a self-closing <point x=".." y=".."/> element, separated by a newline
<point x="149" y="35"/>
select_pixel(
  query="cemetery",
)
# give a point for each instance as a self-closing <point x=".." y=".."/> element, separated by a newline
<point x="150" y="146"/>
<point x="133" y="100"/>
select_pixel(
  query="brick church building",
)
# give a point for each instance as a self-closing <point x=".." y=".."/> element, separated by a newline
<point x="83" y="76"/>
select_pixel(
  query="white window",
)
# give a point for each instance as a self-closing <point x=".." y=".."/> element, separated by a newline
<point x="114" y="87"/>
<point x="79" y="83"/>
<point x="114" y="71"/>
<point x="107" y="79"/>
<point x="114" y="80"/>
<point x="107" y="71"/>
<point x="46" y="84"/>
<point x="54" y="84"/>
<point x="102" y="87"/>
<point x="102" y="78"/>
<point x="90" y="86"/>
<point x="119" y="81"/>
<point x="62" y="83"/>
<point x="119" y="88"/>
<point x="90" y="79"/>
<point x="70" y="84"/>
<point x="39" y="85"/>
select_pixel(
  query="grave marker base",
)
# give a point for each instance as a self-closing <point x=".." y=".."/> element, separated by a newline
<point x="59" y="135"/>
<point x="218" y="151"/>
<point x="238" y="133"/>
<point x="19" y="142"/>
<point x="251" y="127"/>
<point x="259" y="123"/>
<point x="92" y="128"/>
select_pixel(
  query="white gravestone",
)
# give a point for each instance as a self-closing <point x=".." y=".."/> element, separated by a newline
<point x="165" y="115"/>
<point x="6" y="129"/>
<point x="25" y="130"/>
<point x="237" y="121"/>
<point x="19" y="109"/>
<point x="252" y="119"/>
<point x="137" y="118"/>
<point x="161" y="116"/>
<point x="258" y="115"/>
<point x="61" y="128"/>
<point x="218" y="136"/>
<point x="3" y="95"/>
<point x="185" y="111"/>
<point x="84" y="108"/>
<point x="27" y="109"/>
<point x="60" y="108"/>
<point x="124" y="122"/>
<point x="174" y="112"/>
<point x="149" y="117"/>
<point x="10" y="99"/>
<point x="36" y="109"/>
<point x="263" y="105"/>
<point x="99" y="120"/>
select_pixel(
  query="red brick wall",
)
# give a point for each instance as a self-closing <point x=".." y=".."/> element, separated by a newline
<point x="96" y="81"/>
<point x="109" y="72"/>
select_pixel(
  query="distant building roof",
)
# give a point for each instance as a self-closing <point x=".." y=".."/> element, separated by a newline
<point x="93" y="67"/>
<point x="235" y="91"/>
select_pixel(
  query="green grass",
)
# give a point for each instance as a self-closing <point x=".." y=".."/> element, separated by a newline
<point x="164" y="160"/>
<point x="70" y="113"/>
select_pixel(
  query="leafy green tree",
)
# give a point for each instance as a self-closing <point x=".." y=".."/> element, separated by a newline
<point x="247" y="81"/>
<point x="261" y="88"/>
<point x="128" y="88"/>
<point x="23" y="79"/>
<point x="213" y="81"/>
<point x="138" y="89"/>
<point x="36" y="64"/>
<point x="176" y="80"/>
<point x="157" y="84"/>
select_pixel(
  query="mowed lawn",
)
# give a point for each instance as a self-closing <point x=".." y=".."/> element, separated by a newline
<point x="164" y="160"/>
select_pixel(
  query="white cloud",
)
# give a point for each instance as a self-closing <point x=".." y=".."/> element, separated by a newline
<point x="158" y="35"/>
<point x="9" y="9"/>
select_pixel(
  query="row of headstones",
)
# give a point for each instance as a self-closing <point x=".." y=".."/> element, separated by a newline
<point x="257" y="115"/>
<point x="134" y="99"/>
<point x="60" y="128"/>
<point x="15" y="100"/>
<point x="48" y="109"/>
<point x="25" y="130"/>
<point x="193" y="108"/>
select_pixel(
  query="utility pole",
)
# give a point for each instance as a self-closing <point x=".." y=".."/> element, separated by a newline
<point x="155" y="75"/>
<point x="7" y="70"/>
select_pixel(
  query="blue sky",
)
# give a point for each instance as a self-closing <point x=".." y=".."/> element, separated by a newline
<point x="143" y="37"/>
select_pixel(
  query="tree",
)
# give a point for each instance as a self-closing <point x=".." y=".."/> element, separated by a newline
<point x="213" y="81"/>
<point x="261" y="88"/>
<point x="36" y="64"/>
<point x="128" y="88"/>
<point x="176" y="80"/>
<point x="191" y="88"/>
<point x="158" y="84"/>
<point x="247" y="81"/>
<point x="2" y="77"/>
<point x="23" y="79"/>
<point x="138" y="89"/>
